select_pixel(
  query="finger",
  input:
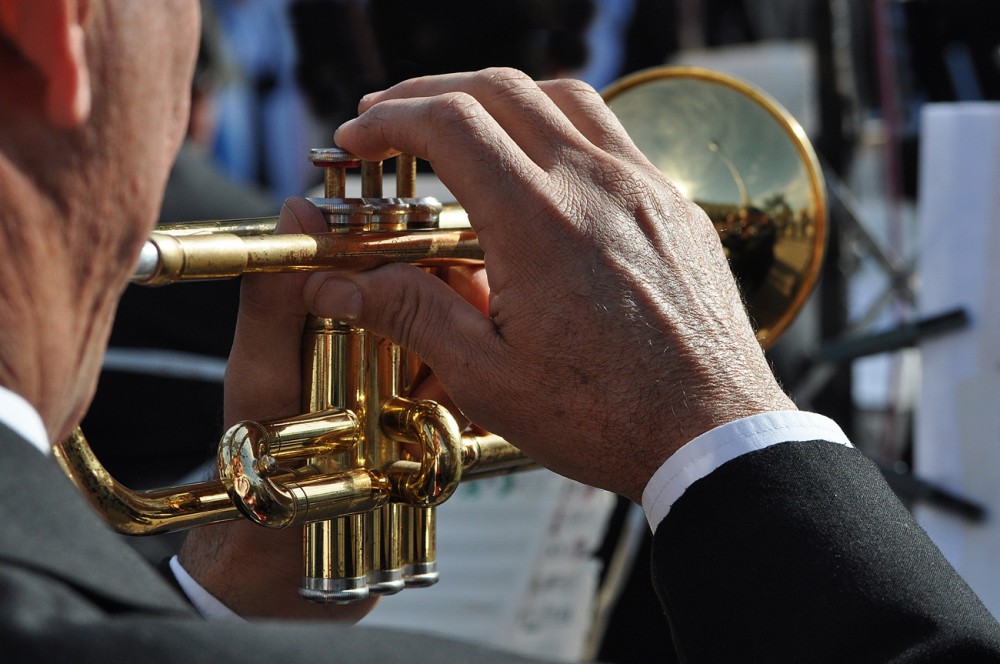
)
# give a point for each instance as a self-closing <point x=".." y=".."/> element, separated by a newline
<point x="262" y="376"/>
<point x="430" y="387"/>
<point x="587" y="110"/>
<point x="511" y="97"/>
<point x="417" y="311"/>
<point x="474" y="157"/>
<point x="469" y="281"/>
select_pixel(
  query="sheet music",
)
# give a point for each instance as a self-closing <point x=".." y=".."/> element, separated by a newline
<point x="516" y="557"/>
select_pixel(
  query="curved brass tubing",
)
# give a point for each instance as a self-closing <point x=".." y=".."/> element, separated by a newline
<point x="141" y="512"/>
<point x="284" y="498"/>
<point x="249" y="458"/>
<point x="430" y="426"/>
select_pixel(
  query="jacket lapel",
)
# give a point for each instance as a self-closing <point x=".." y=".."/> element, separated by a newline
<point x="47" y="526"/>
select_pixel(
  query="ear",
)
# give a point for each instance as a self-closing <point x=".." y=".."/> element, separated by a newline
<point x="49" y="34"/>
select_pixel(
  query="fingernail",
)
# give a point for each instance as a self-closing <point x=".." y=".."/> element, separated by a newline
<point x="338" y="298"/>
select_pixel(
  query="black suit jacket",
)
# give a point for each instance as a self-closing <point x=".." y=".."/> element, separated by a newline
<point x="801" y="553"/>
<point x="813" y="519"/>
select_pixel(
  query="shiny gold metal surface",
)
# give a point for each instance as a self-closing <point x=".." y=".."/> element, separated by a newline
<point x="364" y="466"/>
<point x="141" y="512"/>
<point x="740" y="156"/>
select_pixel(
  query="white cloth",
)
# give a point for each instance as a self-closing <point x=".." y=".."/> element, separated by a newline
<point x="21" y="416"/>
<point x="699" y="457"/>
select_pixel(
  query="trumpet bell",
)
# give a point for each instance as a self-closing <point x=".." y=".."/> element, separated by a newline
<point x="748" y="164"/>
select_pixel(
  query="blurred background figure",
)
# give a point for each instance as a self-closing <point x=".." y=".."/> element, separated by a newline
<point x="202" y="186"/>
<point x="350" y="47"/>
<point x="264" y="126"/>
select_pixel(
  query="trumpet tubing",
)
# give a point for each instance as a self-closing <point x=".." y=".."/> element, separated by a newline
<point x="364" y="466"/>
<point x="219" y="251"/>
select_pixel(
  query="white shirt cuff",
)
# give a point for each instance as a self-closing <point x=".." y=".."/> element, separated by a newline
<point x="701" y="456"/>
<point x="18" y="414"/>
<point x="206" y="603"/>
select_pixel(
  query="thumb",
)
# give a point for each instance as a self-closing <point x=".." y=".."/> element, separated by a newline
<point x="263" y="380"/>
<point x="417" y="311"/>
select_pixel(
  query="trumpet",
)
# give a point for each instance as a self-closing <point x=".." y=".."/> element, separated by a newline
<point x="364" y="466"/>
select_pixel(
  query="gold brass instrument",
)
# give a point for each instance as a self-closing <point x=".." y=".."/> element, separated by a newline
<point x="364" y="466"/>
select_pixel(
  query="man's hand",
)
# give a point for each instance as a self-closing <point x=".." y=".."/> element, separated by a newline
<point x="615" y="332"/>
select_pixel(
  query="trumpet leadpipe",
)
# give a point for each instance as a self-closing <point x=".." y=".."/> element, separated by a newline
<point x="407" y="232"/>
<point x="167" y="259"/>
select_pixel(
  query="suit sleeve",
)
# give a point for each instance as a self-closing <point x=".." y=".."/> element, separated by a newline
<point x="802" y="553"/>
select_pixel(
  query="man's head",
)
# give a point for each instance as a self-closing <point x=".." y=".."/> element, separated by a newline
<point x="94" y="98"/>
<point x="110" y="77"/>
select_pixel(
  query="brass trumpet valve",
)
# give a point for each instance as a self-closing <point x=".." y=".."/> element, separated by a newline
<point x="256" y="466"/>
<point x="334" y="163"/>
